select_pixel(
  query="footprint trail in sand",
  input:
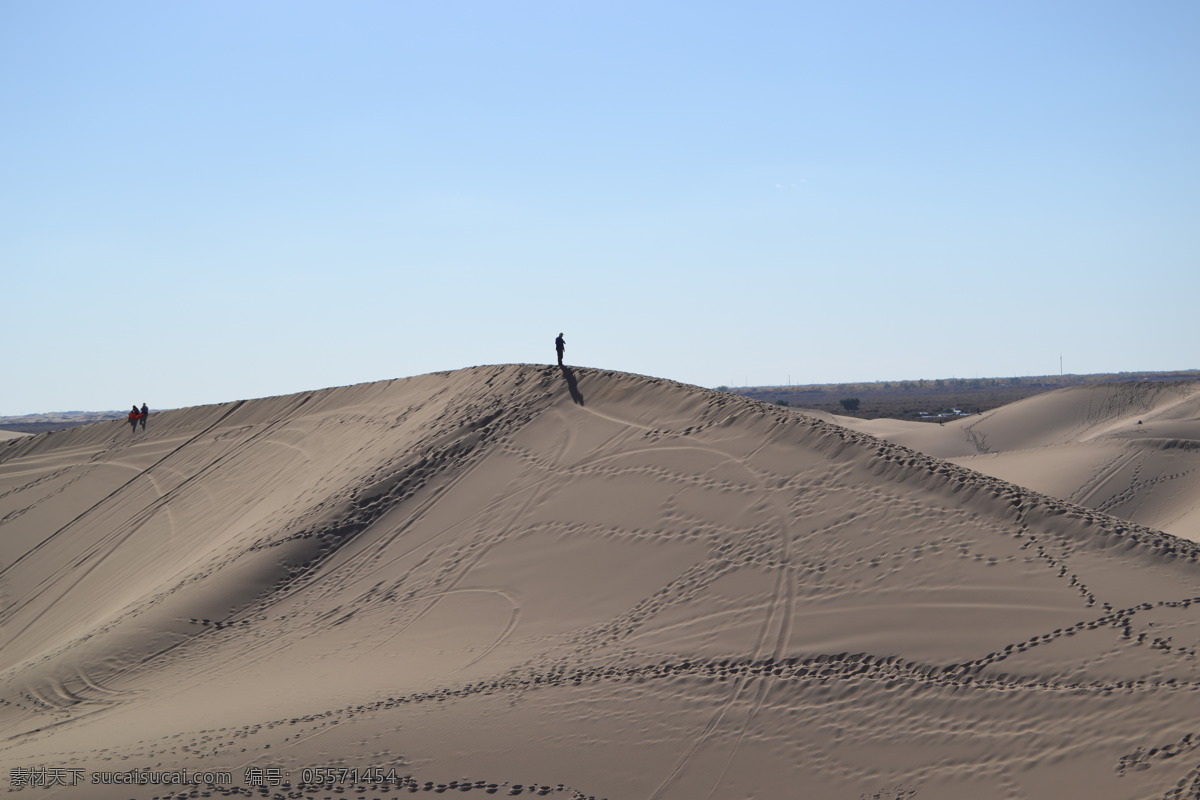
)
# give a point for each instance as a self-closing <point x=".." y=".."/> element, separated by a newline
<point x="492" y="581"/>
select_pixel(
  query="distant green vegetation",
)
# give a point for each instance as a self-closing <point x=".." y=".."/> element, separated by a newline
<point x="56" y="421"/>
<point x="925" y="399"/>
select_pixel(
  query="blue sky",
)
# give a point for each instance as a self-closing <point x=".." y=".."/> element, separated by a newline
<point x="208" y="201"/>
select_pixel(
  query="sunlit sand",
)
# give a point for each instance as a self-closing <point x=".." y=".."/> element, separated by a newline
<point x="521" y="580"/>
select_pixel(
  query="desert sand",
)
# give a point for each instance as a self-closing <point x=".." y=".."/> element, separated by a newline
<point x="1128" y="449"/>
<point x="516" y="580"/>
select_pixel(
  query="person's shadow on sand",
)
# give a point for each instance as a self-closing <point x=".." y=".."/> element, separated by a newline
<point x="572" y="384"/>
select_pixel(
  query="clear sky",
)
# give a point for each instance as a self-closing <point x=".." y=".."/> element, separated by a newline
<point x="212" y="200"/>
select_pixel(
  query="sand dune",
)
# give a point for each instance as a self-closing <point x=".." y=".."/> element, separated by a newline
<point x="1128" y="449"/>
<point x="513" y="580"/>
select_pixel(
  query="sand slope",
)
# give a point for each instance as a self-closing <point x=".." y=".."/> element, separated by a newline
<point x="515" y="580"/>
<point x="1129" y="449"/>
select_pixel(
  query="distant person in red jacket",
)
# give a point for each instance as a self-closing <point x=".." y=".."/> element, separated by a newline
<point x="134" y="416"/>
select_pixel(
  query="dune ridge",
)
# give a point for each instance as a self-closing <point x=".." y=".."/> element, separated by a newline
<point x="1128" y="449"/>
<point x="577" y="583"/>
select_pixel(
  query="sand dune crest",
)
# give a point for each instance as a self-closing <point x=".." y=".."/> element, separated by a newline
<point x="1128" y="449"/>
<point x="522" y="580"/>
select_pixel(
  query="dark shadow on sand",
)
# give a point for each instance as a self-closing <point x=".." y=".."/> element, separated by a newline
<point x="572" y="384"/>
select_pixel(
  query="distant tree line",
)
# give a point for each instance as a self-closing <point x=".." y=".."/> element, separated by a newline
<point x="920" y="398"/>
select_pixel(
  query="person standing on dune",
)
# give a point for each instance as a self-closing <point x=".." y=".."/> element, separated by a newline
<point x="560" y="344"/>
<point x="145" y="413"/>
<point x="134" y="416"/>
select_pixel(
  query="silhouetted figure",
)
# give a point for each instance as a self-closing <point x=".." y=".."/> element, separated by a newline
<point x="560" y="344"/>
<point x="145" y="413"/>
<point x="134" y="416"/>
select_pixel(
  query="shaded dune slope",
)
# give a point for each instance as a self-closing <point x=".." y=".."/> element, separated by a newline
<point x="577" y="583"/>
<point x="1128" y="449"/>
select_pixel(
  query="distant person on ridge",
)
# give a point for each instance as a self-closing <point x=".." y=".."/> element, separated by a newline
<point x="145" y="413"/>
<point x="134" y="416"/>
<point x="560" y="344"/>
